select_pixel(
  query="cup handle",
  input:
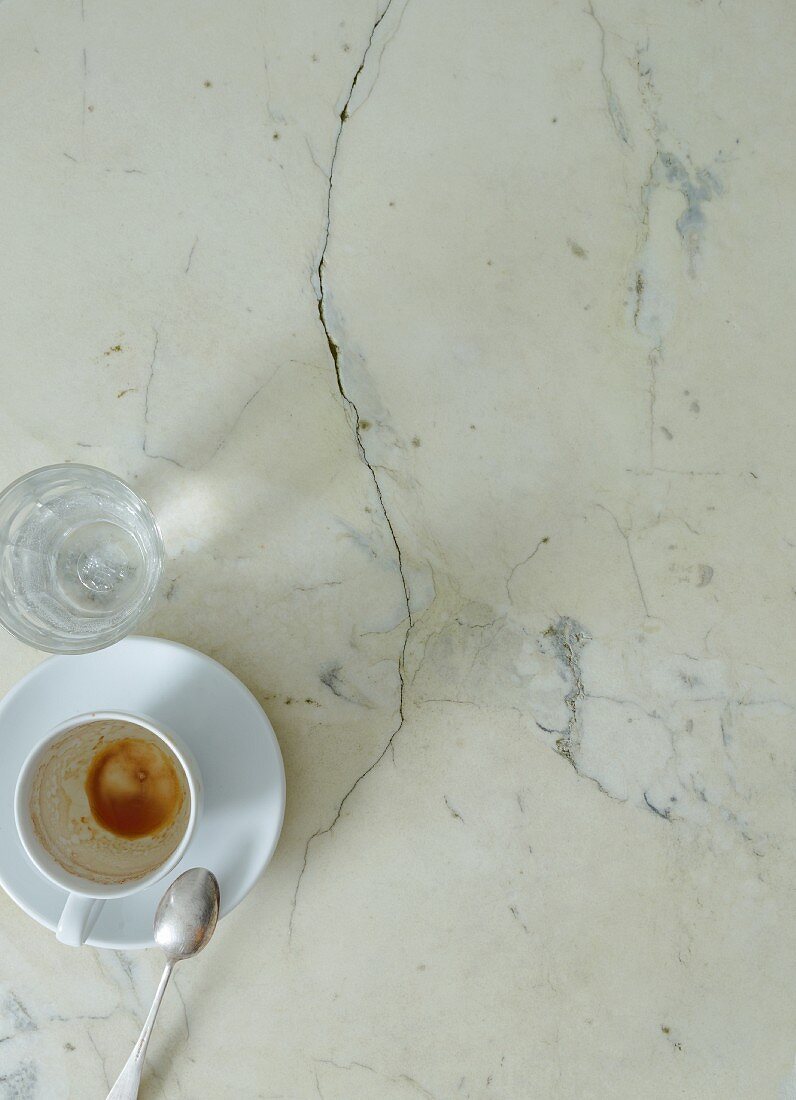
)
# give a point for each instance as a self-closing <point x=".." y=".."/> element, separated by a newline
<point x="77" y="919"/>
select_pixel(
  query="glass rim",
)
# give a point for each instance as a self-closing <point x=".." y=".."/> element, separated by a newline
<point x="65" y="466"/>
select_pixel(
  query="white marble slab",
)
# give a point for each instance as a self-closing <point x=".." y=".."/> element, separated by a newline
<point x="452" y="343"/>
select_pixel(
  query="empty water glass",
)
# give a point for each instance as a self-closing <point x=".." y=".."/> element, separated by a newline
<point x="80" y="558"/>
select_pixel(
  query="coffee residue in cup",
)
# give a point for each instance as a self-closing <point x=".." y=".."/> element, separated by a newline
<point x="133" y="788"/>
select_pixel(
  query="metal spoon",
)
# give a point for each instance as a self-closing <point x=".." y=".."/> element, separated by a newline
<point x="185" y="920"/>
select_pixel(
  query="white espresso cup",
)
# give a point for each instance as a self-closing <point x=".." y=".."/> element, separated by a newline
<point x="77" y="790"/>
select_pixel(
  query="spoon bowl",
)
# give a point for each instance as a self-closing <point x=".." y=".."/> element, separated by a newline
<point x="185" y="919"/>
<point x="187" y="914"/>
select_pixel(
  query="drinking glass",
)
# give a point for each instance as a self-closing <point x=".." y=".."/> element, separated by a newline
<point x="80" y="558"/>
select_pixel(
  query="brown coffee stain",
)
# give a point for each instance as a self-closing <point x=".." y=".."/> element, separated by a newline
<point x="133" y="788"/>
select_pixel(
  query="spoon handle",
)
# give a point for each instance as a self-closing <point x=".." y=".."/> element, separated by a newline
<point x="128" y="1081"/>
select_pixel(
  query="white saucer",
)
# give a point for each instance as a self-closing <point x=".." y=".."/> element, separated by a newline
<point x="205" y="705"/>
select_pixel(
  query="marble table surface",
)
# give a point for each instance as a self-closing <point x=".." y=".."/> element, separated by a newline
<point x="452" y="344"/>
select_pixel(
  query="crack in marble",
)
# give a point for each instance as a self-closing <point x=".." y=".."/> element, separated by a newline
<point x="329" y="828"/>
<point x="415" y="1084"/>
<point x="687" y="779"/>
<point x="626" y="536"/>
<point x="20" y="1017"/>
<point x="145" y="444"/>
<point x="629" y="703"/>
<point x="100" y="1058"/>
<point x="315" y="587"/>
<point x="384" y="50"/>
<point x="190" y="254"/>
<point x="478" y="706"/>
<point x="56" y="1017"/>
<point x="652" y="314"/>
<point x="334" y="347"/>
<point x="515" y="913"/>
<point x="225" y="438"/>
<point x="314" y="159"/>
<point x="725" y="724"/>
<point x="653" y="362"/>
<point x="106" y="963"/>
<point x="332" y="679"/>
<point x="178" y="991"/>
<point x="594" y="742"/>
<point x="639" y="297"/>
<point x="354" y="418"/>
<point x="542" y="542"/>
<point x="568" y="639"/>
<point x="615" y="111"/>
<point x="347" y="1066"/>
<point x="640" y="288"/>
<point x="665" y="814"/>
<point x="454" y="813"/>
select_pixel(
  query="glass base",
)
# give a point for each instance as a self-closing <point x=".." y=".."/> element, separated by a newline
<point x="99" y="568"/>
